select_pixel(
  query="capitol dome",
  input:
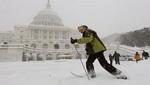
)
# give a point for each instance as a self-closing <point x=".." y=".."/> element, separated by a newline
<point x="47" y="17"/>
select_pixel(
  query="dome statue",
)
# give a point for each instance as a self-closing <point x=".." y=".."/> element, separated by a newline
<point x="47" y="17"/>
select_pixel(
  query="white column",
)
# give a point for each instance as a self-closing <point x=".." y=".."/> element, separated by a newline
<point x="60" y="34"/>
<point x="53" y="34"/>
<point x="32" y="33"/>
<point x="40" y="34"/>
<point x="47" y="31"/>
<point x="48" y="34"/>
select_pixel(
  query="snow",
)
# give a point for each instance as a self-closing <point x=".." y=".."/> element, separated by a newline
<point x="58" y="72"/>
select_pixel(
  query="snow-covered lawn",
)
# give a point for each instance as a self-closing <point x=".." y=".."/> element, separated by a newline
<point x="58" y="72"/>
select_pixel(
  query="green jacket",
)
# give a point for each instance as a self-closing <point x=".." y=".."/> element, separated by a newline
<point x="92" y="41"/>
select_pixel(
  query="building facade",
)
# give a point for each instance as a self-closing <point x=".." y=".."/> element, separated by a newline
<point x="45" y="37"/>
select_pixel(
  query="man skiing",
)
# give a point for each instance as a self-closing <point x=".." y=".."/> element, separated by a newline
<point x="95" y="49"/>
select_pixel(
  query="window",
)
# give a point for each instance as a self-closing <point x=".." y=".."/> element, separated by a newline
<point x="44" y="34"/>
<point x="36" y="34"/>
<point x="56" y="34"/>
<point x="45" y="46"/>
<point x="33" y="45"/>
<point x="56" y="46"/>
<point x="65" y="34"/>
<point x="50" y="34"/>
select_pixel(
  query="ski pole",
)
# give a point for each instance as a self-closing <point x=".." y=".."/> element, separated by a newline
<point x="82" y="63"/>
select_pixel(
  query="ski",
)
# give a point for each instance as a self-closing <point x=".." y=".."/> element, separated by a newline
<point x="122" y="77"/>
<point x="119" y="74"/>
<point x="77" y="75"/>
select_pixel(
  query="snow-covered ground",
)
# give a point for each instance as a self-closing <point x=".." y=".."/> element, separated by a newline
<point x="58" y="72"/>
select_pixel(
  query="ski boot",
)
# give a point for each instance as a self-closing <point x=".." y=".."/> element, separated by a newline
<point x="92" y="74"/>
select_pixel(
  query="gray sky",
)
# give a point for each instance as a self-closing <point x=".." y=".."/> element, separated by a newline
<point x="104" y="16"/>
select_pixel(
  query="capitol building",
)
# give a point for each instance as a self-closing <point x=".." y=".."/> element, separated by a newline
<point x="45" y="38"/>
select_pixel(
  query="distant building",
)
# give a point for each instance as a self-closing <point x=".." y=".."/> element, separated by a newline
<point x="7" y="36"/>
<point x="45" y="36"/>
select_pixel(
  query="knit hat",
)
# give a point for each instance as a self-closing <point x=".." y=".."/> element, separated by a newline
<point x="82" y="27"/>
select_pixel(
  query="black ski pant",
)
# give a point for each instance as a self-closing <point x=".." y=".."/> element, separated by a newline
<point x="103" y="62"/>
<point x="117" y="61"/>
<point x="111" y="61"/>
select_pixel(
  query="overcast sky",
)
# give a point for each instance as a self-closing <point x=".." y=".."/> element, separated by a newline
<point x="104" y="16"/>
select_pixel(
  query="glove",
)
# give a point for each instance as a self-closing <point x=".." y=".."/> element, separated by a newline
<point x="73" y="40"/>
